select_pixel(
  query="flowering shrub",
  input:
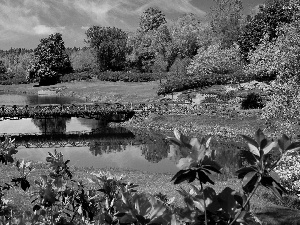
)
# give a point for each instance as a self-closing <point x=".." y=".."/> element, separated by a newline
<point x="215" y="60"/>
<point x="281" y="112"/>
<point x="280" y="58"/>
<point x="288" y="170"/>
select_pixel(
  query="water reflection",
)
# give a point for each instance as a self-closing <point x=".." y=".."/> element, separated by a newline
<point x="52" y="125"/>
<point x="12" y="99"/>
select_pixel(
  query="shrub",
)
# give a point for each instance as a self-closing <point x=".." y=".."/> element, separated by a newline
<point x="76" y="76"/>
<point x="130" y="76"/>
<point x="59" y="199"/>
<point x="252" y="101"/>
<point x="174" y="83"/>
<point x="213" y="60"/>
<point x="13" y="78"/>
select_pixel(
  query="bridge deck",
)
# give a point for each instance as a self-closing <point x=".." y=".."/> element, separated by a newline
<point x="106" y="111"/>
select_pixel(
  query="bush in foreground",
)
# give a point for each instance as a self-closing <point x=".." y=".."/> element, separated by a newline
<point x="60" y="199"/>
<point x="252" y="101"/>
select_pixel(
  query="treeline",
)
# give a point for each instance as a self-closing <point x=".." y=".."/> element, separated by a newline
<point x="226" y="42"/>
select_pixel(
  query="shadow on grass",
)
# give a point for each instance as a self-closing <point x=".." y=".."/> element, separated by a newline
<point x="279" y="216"/>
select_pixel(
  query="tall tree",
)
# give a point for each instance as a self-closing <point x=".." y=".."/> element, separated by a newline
<point x="265" y="23"/>
<point x="50" y="61"/>
<point x="225" y="19"/>
<point x="184" y="43"/>
<point x="109" y="45"/>
<point x="150" y="41"/>
<point x="151" y="19"/>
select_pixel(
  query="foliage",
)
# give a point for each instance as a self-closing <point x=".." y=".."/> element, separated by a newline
<point x="282" y="110"/>
<point x="184" y="37"/>
<point x="180" y="66"/>
<point x="203" y="203"/>
<point x="130" y="76"/>
<point x="10" y="78"/>
<point x="215" y="60"/>
<point x="59" y="199"/>
<point x="151" y="19"/>
<point x="50" y="60"/>
<point x="225" y="19"/>
<point x="83" y="60"/>
<point x="2" y="67"/>
<point x="252" y="101"/>
<point x="266" y="21"/>
<point x="147" y="48"/>
<point x="174" y="83"/>
<point x="109" y="45"/>
<point x="280" y="58"/>
<point x="76" y="76"/>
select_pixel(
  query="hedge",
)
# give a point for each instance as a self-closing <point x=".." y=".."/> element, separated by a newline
<point x="130" y="76"/>
<point x="175" y="84"/>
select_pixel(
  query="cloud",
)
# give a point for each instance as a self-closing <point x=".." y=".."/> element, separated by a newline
<point x="45" y="30"/>
<point x="124" y="12"/>
<point x="32" y="19"/>
<point x="171" y="6"/>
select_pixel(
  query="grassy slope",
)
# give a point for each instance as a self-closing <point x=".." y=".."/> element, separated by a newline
<point x="95" y="91"/>
<point x="141" y="92"/>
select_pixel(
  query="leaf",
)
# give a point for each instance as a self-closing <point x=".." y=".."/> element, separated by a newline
<point x="249" y="157"/>
<point x="204" y="178"/>
<point x="174" y="141"/>
<point x="293" y="146"/>
<point x="275" y="176"/>
<point x="184" y="163"/>
<point x="208" y="142"/>
<point x="182" y="138"/>
<point x="248" y="177"/>
<point x="250" y="140"/>
<point x="263" y="143"/>
<point x="212" y="168"/>
<point x="158" y="208"/>
<point x="269" y="147"/>
<point x="259" y="136"/>
<point x="190" y="176"/>
<point x="284" y="142"/>
<point x="227" y="201"/>
<point x="251" y="181"/>
<point x="243" y="171"/>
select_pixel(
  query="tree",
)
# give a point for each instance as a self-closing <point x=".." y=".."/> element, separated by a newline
<point x="2" y="67"/>
<point x="51" y="60"/>
<point x="265" y="22"/>
<point x="147" y="46"/>
<point x="225" y="21"/>
<point x="109" y="45"/>
<point x="151" y="19"/>
<point x="184" y="38"/>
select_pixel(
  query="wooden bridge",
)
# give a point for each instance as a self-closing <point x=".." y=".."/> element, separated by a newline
<point x="102" y="111"/>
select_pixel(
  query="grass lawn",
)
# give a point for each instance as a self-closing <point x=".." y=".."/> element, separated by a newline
<point x="152" y="183"/>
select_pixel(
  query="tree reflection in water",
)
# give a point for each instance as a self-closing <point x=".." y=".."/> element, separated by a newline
<point x="52" y="125"/>
<point x="153" y="145"/>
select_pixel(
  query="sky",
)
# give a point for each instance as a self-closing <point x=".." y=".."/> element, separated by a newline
<point x="24" y="22"/>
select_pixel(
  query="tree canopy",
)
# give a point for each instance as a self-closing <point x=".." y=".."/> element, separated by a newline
<point x="50" y="60"/>
<point x="110" y="45"/>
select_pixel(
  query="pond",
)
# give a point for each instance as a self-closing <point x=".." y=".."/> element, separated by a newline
<point x="87" y="143"/>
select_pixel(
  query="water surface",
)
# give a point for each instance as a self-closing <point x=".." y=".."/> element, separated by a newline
<point x="87" y="143"/>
